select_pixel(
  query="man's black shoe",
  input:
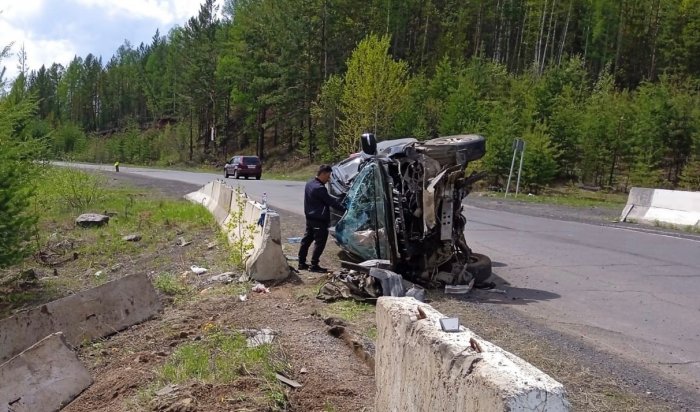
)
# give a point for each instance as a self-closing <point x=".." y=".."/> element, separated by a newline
<point x="303" y="266"/>
<point x="317" y="269"/>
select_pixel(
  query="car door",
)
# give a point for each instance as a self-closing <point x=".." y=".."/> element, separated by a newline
<point x="366" y="229"/>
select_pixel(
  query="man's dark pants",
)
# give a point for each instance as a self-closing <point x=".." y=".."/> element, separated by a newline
<point x="316" y="231"/>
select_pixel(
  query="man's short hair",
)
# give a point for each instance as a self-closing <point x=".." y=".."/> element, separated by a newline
<point x="324" y="169"/>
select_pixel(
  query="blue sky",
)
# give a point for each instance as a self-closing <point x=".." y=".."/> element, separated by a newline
<point x="56" y="31"/>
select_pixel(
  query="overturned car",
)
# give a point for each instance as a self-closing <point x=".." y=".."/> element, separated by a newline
<point x="404" y="208"/>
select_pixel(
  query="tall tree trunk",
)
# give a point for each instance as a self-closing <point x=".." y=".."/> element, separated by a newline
<point x="477" y="35"/>
<point x="262" y="113"/>
<point x="521" y="39"/>
<point x="566" y="30"/>
<point x="497" y="36"/>
<point x="652" y="66"/>
<point x="543" y="60"/>
<point x="538" y="48"/>
<point x="324" y="41"/>
<point x="191" y="137"/>
<point x="620" y="26"/>
<point x="425" y="37"/>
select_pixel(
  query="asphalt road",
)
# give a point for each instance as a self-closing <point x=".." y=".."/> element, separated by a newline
<point x="626" y="291"/>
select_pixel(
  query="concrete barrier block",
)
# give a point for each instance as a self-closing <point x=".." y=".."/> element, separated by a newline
<point x="81" y="317"/>
<point x="672" y="207"/>
<point x="419" y="367"/>
<point x="267" y="260"/>
<point x="43" y="378"/>
<point x="222" y="205"/>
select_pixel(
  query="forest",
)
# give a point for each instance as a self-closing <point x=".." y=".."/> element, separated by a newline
<point x="605" y="93"/>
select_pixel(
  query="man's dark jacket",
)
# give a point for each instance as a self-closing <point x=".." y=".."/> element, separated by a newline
<point x="318" y="203"/>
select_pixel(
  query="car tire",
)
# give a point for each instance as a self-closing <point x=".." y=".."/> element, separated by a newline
<point x="444" y="149"/>
<point x="246" y="177"/>
<point x="225" y="173"/>
<point x="257" y="177"/>
<point x="236" y="175"/>
<point x="479" y="266"/>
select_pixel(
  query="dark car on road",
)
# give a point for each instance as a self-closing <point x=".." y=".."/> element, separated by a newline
<point x="243" y="166"/>
<point x="404" y="206"/>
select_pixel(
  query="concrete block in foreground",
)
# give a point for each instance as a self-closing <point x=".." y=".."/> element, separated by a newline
<point x="43" y="378"/>
<point x="418" y="367"/>
<point x="81" y="317"/>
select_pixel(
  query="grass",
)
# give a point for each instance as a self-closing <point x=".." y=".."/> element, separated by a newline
<point x="349" y="310"/>
<point x="171" y="285"/>
<point x="222" y="357"/>
<point x="301" y="175"/>
<point x="63" y="194"/>
<point x="570" y="197"/>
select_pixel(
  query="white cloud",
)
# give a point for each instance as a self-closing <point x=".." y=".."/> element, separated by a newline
<point x="39" y="51"/>
<point x="54" y="31"/>
<point x="163" y="11"/>
<point x="14" y="10"/>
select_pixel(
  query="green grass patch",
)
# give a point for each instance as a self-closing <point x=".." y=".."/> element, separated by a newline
<point x="171" y="285"/>
<point x="569" y="197"/>
<point x="79" y="254"/>
<point x="220" y="358"/>
<point x="349" y="310"/>
<point x="280" y="172"/>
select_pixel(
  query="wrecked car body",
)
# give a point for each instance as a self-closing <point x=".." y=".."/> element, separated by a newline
<point x="404" y="208"/>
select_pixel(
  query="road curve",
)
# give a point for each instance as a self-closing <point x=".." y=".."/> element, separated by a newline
<point x="629" y="292"/>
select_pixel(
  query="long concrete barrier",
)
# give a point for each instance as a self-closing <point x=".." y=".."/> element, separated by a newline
<point x="419" y="367"/>
<point x="81" y="317"/>
<point x="242" y="218"/>
<point x="43" y="378"/>
<point x="671" y="207"/>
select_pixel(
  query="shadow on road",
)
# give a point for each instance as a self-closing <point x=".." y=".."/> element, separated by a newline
<point x="513" y="295"/>
<point x="498" y="265"/>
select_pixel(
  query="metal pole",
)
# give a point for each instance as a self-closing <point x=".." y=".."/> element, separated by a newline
<point x="520" y="170"/>
<point x="512" y="163"/>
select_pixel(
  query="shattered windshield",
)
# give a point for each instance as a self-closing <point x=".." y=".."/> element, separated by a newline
<point x="362" y="230"/>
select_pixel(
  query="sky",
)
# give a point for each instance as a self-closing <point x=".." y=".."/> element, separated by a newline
<point x="56" y="31"/>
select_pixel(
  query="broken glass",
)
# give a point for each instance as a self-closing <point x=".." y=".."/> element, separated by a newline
<point x="362" y="230"/>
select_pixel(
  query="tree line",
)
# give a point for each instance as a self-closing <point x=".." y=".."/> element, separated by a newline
<point x="604" y="92"/>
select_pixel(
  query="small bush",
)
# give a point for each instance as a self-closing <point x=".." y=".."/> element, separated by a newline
<point x="171" y="285"/>
<point x="74" y="188"/>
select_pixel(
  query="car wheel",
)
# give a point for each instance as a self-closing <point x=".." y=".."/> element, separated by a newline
<point x="225" y="173"/>
<point x="444" y="149"/>
<point x="479" y="266"/>
<point x="246" y="177"/>
<point x="235" y="174"/>
<point x="257" y="177"/>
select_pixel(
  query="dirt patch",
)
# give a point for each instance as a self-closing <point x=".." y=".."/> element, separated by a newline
<point x="127" y="367"/>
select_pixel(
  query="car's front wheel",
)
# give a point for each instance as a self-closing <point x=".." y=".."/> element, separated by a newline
<point x="257" y="177"/>
<point x="225" y="173"/>
<point x="479" y="266"/>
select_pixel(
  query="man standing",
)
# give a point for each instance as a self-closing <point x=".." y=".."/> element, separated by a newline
<point x="317" y="208"/>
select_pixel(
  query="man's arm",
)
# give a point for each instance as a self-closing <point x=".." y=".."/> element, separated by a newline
<point x="328" y="199"/>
